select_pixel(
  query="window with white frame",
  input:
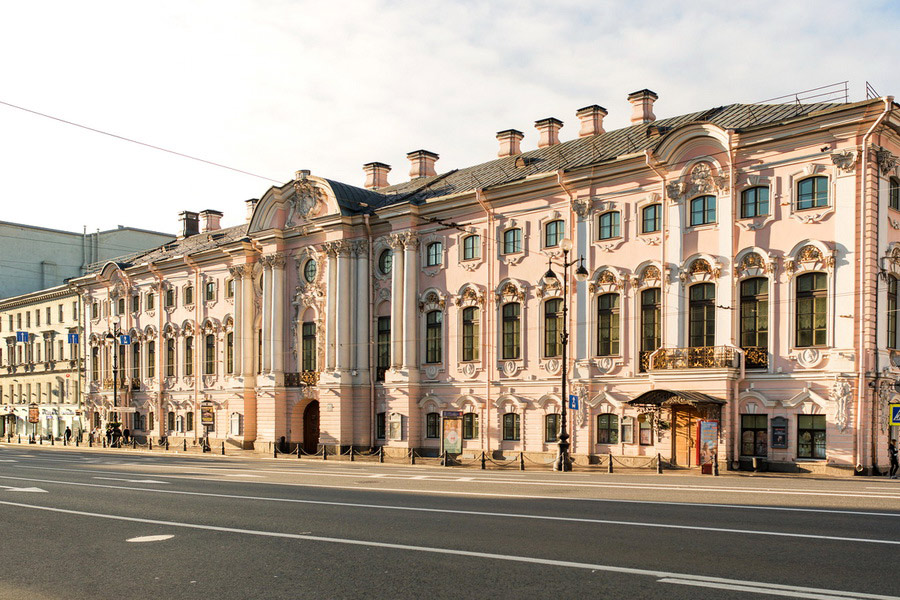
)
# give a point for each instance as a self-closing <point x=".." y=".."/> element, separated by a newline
<point x="512" y="241"/>
<point x="433" y="254"/>
<point x="471" y="247"/>
<point x="554" y="231"/>
<point x="609" y="225"/>
<point x="703" y="210"/>
<point x="812" y="192"/>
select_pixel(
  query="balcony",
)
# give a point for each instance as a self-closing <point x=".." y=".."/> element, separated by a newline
<point x="702" y="357"/>
<point x="756" y="357"/>
<point x="108" y="384"/>
<point x="303" y="378"/>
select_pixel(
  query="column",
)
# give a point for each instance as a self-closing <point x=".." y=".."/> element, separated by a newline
<point x="331" y="293"/>
<point x="410" y="285"/>
<point x="363" y="319"/>
<point x="277" y="308"/>
<point x="238" y="329"/>
<point x="344" y="323"/>
<point x="266" y="315"/>
<point x="248" y="322"/>
<point x="396" y="301"/>
<point x="582" y="301"/>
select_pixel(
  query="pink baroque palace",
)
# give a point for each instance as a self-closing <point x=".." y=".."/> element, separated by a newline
<point x="743" y="265"/>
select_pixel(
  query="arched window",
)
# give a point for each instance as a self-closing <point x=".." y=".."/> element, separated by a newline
<point x="703" y="210"/>
<point x="812" y="310"/>
<point x="607" y="429"/>
<point x="894" y="193"/>
<point x="432" y="425"/>
<point x="650" y="218"/>
<point x="754" y="202"/>
<point x="433" y="253"/>
<point x="470" y="426"/>
<point x="511" y="326"/>
<point x="170" y="421"/>
<point x="511" y="427"/>
<point x="151" y="359"/>
<point x="755" y="321"/>
<point x="470" y="333"/>
<point x="308" y="333"/>
<point x="189" y="355"/>
<point x="189" y="295"/>
<point x="608" y="325"/>
<point x="552" y="327"/>
<point x="209" y="355"/>
<point x="892" y="312"/>
<point x="229" y="352"/>
<point x="433" y="341"/>
<point x="551" y="427"/>
<point x="609" y="225"/>
<point x="386" y="261"/>
<point x="702" y="315"/>
<point x="383" y="348"/>
<point x="812" y="192"/>
<point x="471" y="247"/>
<point x="310" y="268"/>
<point x="650" y="325"/>
<point x="95" y="363"/>
<point x="209" y="291"/>
<point x="170" y="357"/>
<point x="553" y="233"/>
<point x="512" y="241"/>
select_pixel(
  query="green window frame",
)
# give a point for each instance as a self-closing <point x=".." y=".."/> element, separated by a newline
<point x="229" y="352"/>
<point x="702" y="315"/>
<point x="170" y="357"/>
<point x="189" y="355"/>
<point x="470" y="426"/>
<point x="607" y="429"/>
<point x="755" y="202"/>
<point x="309" y="346"/>
<point x="433" y="336"/>
<point x="608" y="325"/>
<point x="511" y="326"/>
<point x="553" y="327"/>
<point x="551" y="427"/>
<point x="811" y="436"/>
<point x="811" y="310"/>
<point x="812" y="192"/>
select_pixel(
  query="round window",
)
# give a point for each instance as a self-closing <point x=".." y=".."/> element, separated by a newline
<point x="385" y="261"/>
<point x="309" y="270"/>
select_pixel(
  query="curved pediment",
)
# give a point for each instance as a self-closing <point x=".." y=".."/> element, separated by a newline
<point x="309" y="199"/>
<point x="668" y="147"/>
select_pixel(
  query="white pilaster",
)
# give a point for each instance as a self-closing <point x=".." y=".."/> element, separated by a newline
<point x="344" y="323"/>
<point x="331" y="303"/>
<point x="363" y="322"/>
<point x="396" y="301"/>
<point x="247" y="348"/>
<point x="277" y="307"/>
<point x="410" y="284"/>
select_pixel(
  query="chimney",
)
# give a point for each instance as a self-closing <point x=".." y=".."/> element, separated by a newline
<point x="209" y="220"/>
<point x="549" y="130"/>
<point x="642" y="101"/>
<point x="376" y="175"/>
<point x="421" y="163"/>
<point x="509" y="139"/>
<point x="188" y="223"/>
<point x="591" y="120"/>
<point x="251" y="205"/>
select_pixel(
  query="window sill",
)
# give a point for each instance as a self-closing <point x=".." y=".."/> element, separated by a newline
<point x="798" y="209"/>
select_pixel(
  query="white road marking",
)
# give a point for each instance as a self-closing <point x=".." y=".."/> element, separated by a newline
<point x="150" y="538"/>
<point x="8" y="460"/>
<point x="239" y="475"/>
<point x="18" y="489"/>
<point x="670" y="577"/>
<point x="764" y="589"/>
<point x="132" y="480"/>
<point x="490" y="514"/>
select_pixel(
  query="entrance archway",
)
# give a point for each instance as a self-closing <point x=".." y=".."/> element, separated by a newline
<point x="311" y="427"/>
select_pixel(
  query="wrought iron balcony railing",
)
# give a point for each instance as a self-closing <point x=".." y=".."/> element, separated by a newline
<point x="702" y="357"/>
<point x="756" y="357"/>
<point x="302" y="378"/>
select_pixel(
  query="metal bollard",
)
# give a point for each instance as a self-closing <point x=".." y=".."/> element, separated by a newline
<point x="223" y="448"/>
<point x="150" y="443"/>
<point x="324" y="452"/>
<point x="444" y="458"/>
<point x="381" y="454"/>
<point x="185" y="444"/>
<point x="299" y="451"/>
<point x="658" y="464"/>
<point x="274" y="450"/>
<point x="90" y="441"/>
<point x="412" y="456"/>
<point x="609" y="469"/>
<point x="133" y="444"/>
<point x="167" y="443"/>
<point x="351" y="453"/>
<point x="716" y="468"/>
<point x="40" y="440"/>
<point x="521" y="461"/>
<point x="20" y="439"/>
<point x="77" y="441"/>
<point x="51" y="441"/>
<point x="483" y="465"/>
<point x="104" y="442"/>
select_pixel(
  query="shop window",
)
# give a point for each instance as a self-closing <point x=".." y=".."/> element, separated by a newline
<point x="432" y="425"/>
<point x="754" y="435"/>
<point x="627" y="430"/>
<point x="645" y="429"/>
<point x="511" y="427"/>
<point x="810" y="436"/>
<point x="607" y="429"/>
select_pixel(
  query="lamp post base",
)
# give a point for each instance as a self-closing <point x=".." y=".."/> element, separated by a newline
<point x="563" y="461"/>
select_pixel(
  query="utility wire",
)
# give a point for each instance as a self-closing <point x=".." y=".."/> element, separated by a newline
<point x="133" y="141"/>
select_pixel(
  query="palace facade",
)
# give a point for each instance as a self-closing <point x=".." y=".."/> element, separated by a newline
<point x="743" y="264"/>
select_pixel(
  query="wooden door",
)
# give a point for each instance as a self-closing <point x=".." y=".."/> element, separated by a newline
<point x="684" y="421"/>
<point x="311" y="427"/>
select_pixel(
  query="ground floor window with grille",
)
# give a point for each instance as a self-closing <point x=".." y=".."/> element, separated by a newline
<point x="511" y="427"/>
<point x="551" y="427"/>
<point x="810" y="436"/>
<point x="432" y="425"/>
<point x="754" y="435"/>
<point x="607" y="429"/>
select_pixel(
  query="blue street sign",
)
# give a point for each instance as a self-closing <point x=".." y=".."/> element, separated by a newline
<point x="895" y="414"/>
<point x="124" y="339"/>
<point x="21" y="336"/>
<point x="73" y="338"/>
<point x="573" y="402"/>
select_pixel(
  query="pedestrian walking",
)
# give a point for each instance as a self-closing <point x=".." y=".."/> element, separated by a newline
<point x="892" y="454"/>
<point x="68" y="435"/>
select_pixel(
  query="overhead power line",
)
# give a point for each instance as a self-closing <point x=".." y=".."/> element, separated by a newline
<point x="133" y="141"/>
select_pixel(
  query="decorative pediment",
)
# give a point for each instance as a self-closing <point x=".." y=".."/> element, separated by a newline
<point x="470" y="296"/>
<point x="432" y="300"/>
<point x="510" y="291"/>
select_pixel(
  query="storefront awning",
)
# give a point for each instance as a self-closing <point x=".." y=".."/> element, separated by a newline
<point x="672" y="397"/>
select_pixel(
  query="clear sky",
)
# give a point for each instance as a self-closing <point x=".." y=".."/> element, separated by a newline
<point x="271" y="87"/>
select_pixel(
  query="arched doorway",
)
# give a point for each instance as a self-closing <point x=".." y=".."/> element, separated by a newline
<point x="311" y="427"/>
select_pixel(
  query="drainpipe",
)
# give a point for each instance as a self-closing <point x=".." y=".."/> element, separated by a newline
<point x="486" y="347"/>
<point x="664" y="273"/>
<point x="735" y="302"/>
<point x="860" y="359"/>
<point x="372" y="366"/>
<point x="160" y="350"/>
<point x="198" y="295"/>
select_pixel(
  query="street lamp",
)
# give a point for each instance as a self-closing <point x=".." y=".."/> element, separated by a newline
<point x="114" y="338"/>
<point x="563" y="462"/>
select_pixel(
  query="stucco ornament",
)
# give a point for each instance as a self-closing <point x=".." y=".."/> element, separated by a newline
<point x="844" y="160"/>
<point x="582" y="207"/>
<point x="809" y="358"/>
<point x="886" y="161"/>
<point x="581" y="413"/>
<point x="840" y="395"/>
<point x="307" y="200"/>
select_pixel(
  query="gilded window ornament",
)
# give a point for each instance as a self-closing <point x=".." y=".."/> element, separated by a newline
<point x="752" y="260"/>
<point x="650" y="273"/>
<point x="700" y="266"/>
<point x="809" y="254"/>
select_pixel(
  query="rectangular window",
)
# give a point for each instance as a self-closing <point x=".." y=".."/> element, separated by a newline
<point x="650" y="219"/>
<point x="75" y="311"/>
<point x="553" y="327"/>
<point x="380" y="425"/>
<point x="60" y="314"/>
<point x="150" y="300"/>
<point x="210" y="291"/>
<point x="754" y="202"/>
<point x="811" y="436"/>
<point x="309" y="346"/>
<point x="811" y="310"/>
<point x="37" y="317"/>
<point x="553" y="233"/>
<point x="471" y="247"/>
<point x="470" y="323"/>
<point x="229" y="288"/>
<point x="170" y="358"/>
<point x="470" y="426"/>
<point x="646" y="430"/>
<point x="892" y="312"/>
<point x="189" y="295"/>
<point x="608" y="325"/>
<point x="551" y="428"/>
<point x="48" y="315"/>
<point x="120" y="306"/>
<point x="209" y="355"/>
<point x="703" y="210"/>
<point x="512" y="241"/>
<point x="190" y="421"/>
<point x="702" y="315"/>
<point x="433" y="341"/>
<point x="170" y="298"/>
<point x="151" y="361"/>
<point x="607" y="429"/>
<point x="627" y="430"/>
<point x="189" y="355"/>
<point x="432" y="425"/>
<point x="609" y="225"/>
<point x="135" y="303"/>
<point x="754" y="435"/>
<point x="511" y="427"/>
<point x="510" y="331"/>
<point x="229" y="352"/>
<point x="812" y="192"/>
<point x="135" y="361"/>
<point x="434" y="254"/>
<point x="383" y="347"/>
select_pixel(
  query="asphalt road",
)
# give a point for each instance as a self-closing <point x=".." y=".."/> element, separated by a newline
<point x="107" y="524"/>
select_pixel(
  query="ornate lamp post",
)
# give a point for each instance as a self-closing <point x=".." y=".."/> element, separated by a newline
<point x="113" y="338"/>
<point x="563" y="462"/>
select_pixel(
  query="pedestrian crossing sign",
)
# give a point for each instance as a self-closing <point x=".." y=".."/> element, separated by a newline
<point x="573" y="402"/>
<point x="895" y="414"/>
